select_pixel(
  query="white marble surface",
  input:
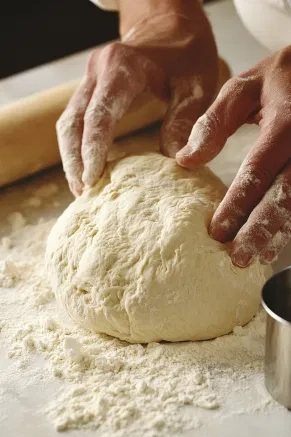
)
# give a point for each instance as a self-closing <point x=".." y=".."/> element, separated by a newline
<point x="19" y="414"/>
<point x="43" y="77"/>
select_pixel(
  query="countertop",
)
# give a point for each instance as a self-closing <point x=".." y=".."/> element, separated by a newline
<point x="241" y="51"/>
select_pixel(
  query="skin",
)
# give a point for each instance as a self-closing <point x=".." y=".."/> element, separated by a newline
<point x="168" y="48"/>
<point x="256" y="210"/>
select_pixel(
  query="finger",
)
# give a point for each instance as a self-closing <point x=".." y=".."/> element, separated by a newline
<point x="262" y="164"/>
<point x="238" y="98"/>
<point x="69" y="133"/>
<point x="109" y="102"/>
<point x="188" y="101"/>
<point x="264" y="223"/>
<point x="277" y="243"/>
<point x="122" y="75"/>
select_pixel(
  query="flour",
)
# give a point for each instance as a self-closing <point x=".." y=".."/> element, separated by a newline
<point x="40" y="194"/>
<point x="117" y="255"/>
<point x="108" y="385"/>
<point x="278" y="242"/>
<point x="198" y="140"/>
<point x="9" y="274"/>
<point x="46" y="191"/>
<point x="123" y="389"/>
<point x="33" y="202"/>
<point x="6" y="243"/>
<point x="16" y="220"/>
<point x="56" y="203"/>
<point x="198" y="91"/>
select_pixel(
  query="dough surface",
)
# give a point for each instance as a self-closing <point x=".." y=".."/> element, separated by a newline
<point x="132" y="257"/>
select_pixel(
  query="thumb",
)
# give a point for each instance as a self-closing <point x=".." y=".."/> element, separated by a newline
<point x="187" y="103"/>
<point x="236" y="101"/>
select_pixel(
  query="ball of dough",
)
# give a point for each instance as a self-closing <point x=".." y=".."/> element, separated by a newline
<point x="132" y="257"/>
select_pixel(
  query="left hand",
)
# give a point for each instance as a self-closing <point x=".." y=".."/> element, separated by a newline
<point x="167" y="48"/>
<point x="257" y="207"/>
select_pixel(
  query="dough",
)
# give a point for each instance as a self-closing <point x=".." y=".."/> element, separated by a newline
<point x="132" y="257"/>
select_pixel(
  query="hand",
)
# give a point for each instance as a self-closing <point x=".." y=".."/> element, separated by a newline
<point x="172" y="53"/>
<point x="257" y="207"/>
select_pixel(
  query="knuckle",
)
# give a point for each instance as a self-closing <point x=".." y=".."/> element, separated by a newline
<point x="231" y="84"/>
<point x="286" y="229"/>
<point x="277" y="122"/>
<point x="97" y="112"/>
<point x="69" y="124"/>
<point x="130" y="65"/>
<point x="92" y="60"/>
<point x="114" y="47"/>
<point x="256" y="235"/>
<point x="261" y="233"/>
<point x="285" y="188"/>
<point x="211" y="120"/>
<point x="237" y="82"/>
<point x="113" y="51"/>
<point x="226" y="88"/>
<point x="282" y="193"/>
<point x="236" y="85"/>
<point x="90" y="115"/>
<point x="72" y="165"/>
<point x="274" y="246"/>
<point x="283" y="57"/>
<point x="255" y="176"/>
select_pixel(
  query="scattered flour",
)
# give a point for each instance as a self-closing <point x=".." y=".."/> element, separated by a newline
<point x="6" y="243"/>
<point x="16" y="220"/>
<point x="198" y="91"/>
<point x="238" y="330"/>
<point x="119" y="388"/>
<point x="108" y="385"/>
<point x="9" y="274"/>
<point x="33" y="202"/>
<point x="46" y="190"/>
<point x="42" y="193"/>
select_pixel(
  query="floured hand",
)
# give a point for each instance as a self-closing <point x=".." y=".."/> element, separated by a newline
<point x="257" y="207"/>
<point x="166" y="48"/>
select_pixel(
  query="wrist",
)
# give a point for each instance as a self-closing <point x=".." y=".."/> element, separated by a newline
<point x="133" y="15"/>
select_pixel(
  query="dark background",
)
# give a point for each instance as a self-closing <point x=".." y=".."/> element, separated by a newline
<point x="33" y="32"/>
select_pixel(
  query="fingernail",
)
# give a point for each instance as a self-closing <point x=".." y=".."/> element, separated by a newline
<point x="267" y="257"/>
<point x="198" y="135"/>
<point x="87" y="188"/>
<point x="184" y="152"/>
<point x="241" y="259"/>
<point x="221" y="229"/>
<point x="92" y="174"/>
<point x="89" y="180"/>
<point x="217" y="234"/>
<point x="172" y="149"/>
<point x="76" y="188"/>
<point x="196" y="140"/>
<point x="175" y="136"/>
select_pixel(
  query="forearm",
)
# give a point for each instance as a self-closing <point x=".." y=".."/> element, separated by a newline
<point x="132" y="13"/>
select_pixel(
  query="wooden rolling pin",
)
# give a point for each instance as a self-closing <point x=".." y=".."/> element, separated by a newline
<point x="28" y="141"/>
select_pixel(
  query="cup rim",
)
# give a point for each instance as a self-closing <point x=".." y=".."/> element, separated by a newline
<point x="274" y="315"/>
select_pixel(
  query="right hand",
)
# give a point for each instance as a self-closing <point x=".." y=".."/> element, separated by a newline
<point x="256" y="211"/>
<point x="171" y="55"/>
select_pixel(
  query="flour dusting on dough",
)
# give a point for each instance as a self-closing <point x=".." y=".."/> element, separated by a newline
<point x="132" y="258"/>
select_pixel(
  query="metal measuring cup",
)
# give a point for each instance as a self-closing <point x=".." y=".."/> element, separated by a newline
<point x="276" y="298"/>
